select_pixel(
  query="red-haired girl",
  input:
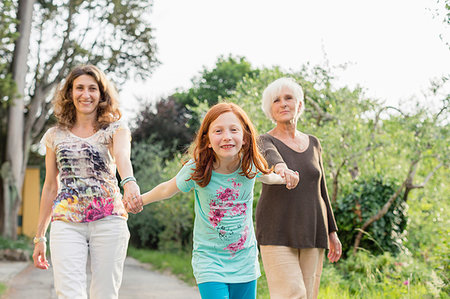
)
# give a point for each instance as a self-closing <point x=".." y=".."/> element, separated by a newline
<point x="225" y="163"/>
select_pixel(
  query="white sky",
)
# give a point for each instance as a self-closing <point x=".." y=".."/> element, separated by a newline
<point x="393" y="45"/>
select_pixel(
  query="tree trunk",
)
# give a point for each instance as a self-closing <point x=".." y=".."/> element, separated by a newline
<point x="13" y="169"/>
<point x="387" y="205"/>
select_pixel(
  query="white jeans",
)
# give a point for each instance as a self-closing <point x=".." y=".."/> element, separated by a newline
<point x="106" y="240"/>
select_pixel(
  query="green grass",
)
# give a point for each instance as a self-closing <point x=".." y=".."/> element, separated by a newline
<point x="2" y="288"/>
<point x="176" y="262"/>
<point x="346" y="281"/>
<point x="179" y="264"/>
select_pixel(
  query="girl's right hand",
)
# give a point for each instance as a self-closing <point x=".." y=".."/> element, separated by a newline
<point x="40" y="261"/>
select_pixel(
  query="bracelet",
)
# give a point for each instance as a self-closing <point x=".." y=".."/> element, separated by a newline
<point x="126" y="180"/>
<point x="40" y="239"/>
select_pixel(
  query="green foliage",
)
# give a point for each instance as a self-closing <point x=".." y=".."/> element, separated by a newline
<point x="429" y="226"/>
<point x="213" y="85"/>
<point x="383" y="276"/>
<point x="166" y="123"/>
<point x="21" y="243"/>
<point x="124" y="48"/>
<point x="2" y="288"/>
<point x="146" y="157"/>
<point x="361" y="202"/>
<point x="220" y="82"/>
<point x="167" y="224"/>
<point x="7" y="85"/>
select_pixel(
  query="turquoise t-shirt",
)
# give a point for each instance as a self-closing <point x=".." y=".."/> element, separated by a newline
<point x="225" y="248"/>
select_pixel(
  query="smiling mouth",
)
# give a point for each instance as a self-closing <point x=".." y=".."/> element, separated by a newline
<point x="228" y="146"/>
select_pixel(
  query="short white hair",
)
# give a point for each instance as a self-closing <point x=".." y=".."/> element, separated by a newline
<point x="273" y="90"/>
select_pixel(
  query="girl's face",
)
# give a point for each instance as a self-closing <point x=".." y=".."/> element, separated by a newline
<point x="85" y="94"/>
<point x="226" y="136"/>
<point x="285" y="107"/>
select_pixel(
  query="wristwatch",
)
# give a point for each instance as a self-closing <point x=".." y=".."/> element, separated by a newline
<point x="40" y="239"/>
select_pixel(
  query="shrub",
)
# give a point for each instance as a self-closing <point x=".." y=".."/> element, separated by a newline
<point x="365" y="199"/>
<point x="167" y="224"/>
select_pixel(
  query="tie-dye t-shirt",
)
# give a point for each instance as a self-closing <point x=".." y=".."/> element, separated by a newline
<point x="87" y="184"/>
<point x="225" y="248"/>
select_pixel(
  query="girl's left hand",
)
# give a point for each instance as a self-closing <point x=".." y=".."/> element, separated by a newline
<point x="132" y="197"/>
<point x="335" y="247"/>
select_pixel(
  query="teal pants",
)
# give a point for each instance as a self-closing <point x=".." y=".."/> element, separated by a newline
<point x="221" y="290"/>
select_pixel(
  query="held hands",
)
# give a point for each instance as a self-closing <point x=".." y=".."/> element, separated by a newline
<point x="39" y="259"/>
<point x="291" y="177"/>
<point x="335" y="247"/>
<point x="132" y="198"/>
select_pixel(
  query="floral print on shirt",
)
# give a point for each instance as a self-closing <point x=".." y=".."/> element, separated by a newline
<point x="88" y="188"/>
<point x="224" y="205"/>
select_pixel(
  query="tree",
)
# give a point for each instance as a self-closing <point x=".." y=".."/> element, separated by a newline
<point x="114" y="35"/>
<point x="13" y="170"/>
<point x="360" y="137"/>
<point x="424" y="138"/>
<point x="220" y="82"/>
<point x="173" y="121"/>
<point x="7" y="84"/>
<point x="166" y="126"/>
<point x="215" y="84"/>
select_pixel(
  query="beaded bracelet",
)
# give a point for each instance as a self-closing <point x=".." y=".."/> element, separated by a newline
<point x="126" y="180"/>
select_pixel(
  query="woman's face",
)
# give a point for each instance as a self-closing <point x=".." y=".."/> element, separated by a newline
<point x="85" y="94"/>
<point x="285" y="107"/>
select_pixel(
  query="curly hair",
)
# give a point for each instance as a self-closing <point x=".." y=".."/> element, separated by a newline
<point x="108" y="107"/>
<point x="205" y="156"/>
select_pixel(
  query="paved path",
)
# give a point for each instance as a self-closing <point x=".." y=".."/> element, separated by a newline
<point x="139" y="281"/>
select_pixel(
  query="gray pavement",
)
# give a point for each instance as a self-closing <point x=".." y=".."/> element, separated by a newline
<point x="139" y="281"/>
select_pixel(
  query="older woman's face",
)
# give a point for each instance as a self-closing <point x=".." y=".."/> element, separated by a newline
<point x="285" y="107"/>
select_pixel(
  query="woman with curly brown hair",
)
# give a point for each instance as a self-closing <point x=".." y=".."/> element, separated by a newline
<point x="81" y="195"/>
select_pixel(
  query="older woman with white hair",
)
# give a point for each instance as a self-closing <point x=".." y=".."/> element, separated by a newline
<point x="293" y="227"/>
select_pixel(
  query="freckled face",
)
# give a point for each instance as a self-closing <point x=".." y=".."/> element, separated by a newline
<point x="226" y="136"/>
<point x="85" y="94"/>
<point x="285" y="107"/>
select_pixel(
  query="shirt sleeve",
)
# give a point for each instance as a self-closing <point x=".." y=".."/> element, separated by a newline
<point x="270" y="151"/>
<point x="183" y="178"/>
<point x="115" y="127"/>
<point x="332" y="227"/>
<point x="49" y="138"/>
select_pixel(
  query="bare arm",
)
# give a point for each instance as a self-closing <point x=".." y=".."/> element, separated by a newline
<point x="121" y="152"/>
<point x="276" y="179"/>
<point x="162" y="191"/>
<point x="49" y="192"/>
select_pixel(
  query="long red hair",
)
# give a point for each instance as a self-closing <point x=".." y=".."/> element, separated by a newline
<point x="205" y="157"/>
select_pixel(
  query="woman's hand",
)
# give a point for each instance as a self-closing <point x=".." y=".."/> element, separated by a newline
<point x="39" y="259"/>
<point x="292" y="177"/>
<point x="335" y="247"/>
<point x="132" y="197"/>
